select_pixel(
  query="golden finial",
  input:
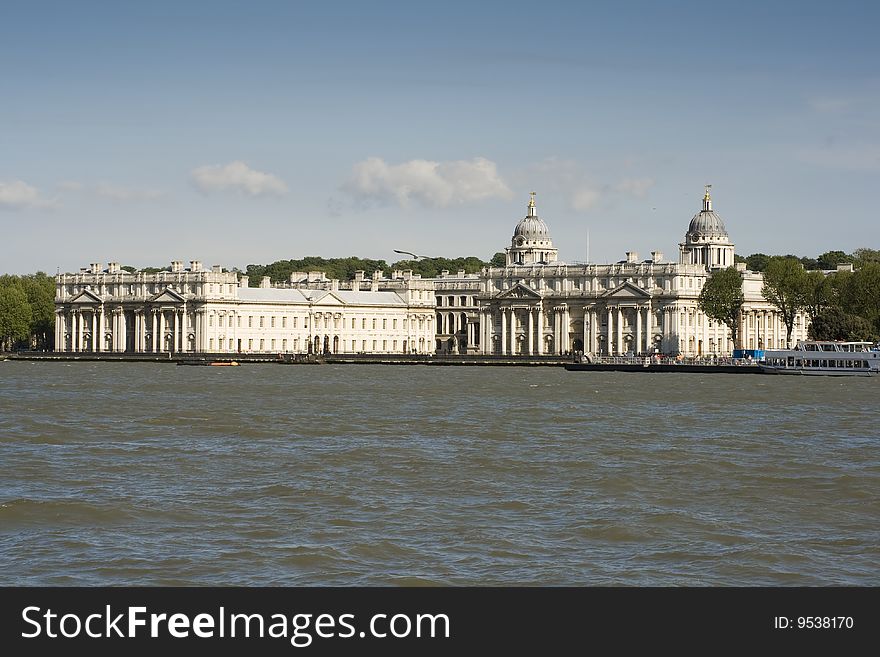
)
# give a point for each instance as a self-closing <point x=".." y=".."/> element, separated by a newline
<point x="707" y="197"/>
<point x="532" y="199"/>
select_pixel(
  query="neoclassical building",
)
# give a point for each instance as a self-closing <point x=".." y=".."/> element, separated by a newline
<point x="197" y="310"/>
<point x="534" y="305"/>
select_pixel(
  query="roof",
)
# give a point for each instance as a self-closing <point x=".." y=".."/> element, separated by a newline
<point x="295" y="295"/>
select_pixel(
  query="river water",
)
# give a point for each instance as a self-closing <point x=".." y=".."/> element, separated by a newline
<point x="151" y="474"/>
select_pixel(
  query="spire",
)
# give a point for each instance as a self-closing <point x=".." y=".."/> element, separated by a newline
<point x="532" y="211"/>
<point x="707" y="200"/>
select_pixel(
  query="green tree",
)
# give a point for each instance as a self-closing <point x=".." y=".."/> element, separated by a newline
<point x="40" y="292"/>
<point x="860" y="293"/>
<point x="15" y="316"/>
<point x="835" y="324"/>
<point x="818" y="293"/>
<point x="830" y="259"/>
<point x="785" y="286"/>
<point x="722" y="299"/>
<point x="498" y="260"/>
<point x="757" y="261"/>
<point x="865" y="255"/>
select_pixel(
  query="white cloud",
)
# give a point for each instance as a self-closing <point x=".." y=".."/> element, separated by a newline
<point x="584" y="198"/>
<point x="239" y="177"/>
<point x="116" y="193"/>
<point x="18" y="195"/>
<point x="432" y="184"/>
<point x="637" y="187"/>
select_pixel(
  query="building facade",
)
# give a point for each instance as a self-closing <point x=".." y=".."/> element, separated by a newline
<point x="536" y="305"/>
<point x="533" y="306"/>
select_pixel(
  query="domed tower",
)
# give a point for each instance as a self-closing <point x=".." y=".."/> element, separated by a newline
<point x="706" y="241"/>
<point x="531" y="243"/>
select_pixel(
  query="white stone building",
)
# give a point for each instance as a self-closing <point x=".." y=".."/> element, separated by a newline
<point x="534" y="305"/>
<point x="195" y="310"/>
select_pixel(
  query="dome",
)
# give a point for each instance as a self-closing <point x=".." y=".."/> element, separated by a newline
<point x="531" y="227"/>
<point x="706" y="224"/>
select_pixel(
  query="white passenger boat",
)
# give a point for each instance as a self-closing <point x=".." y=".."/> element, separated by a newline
<point x="823" y="358"/>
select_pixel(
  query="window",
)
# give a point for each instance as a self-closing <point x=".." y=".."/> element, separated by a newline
<point x="250" y="321"/>
<point x="363" y="345"/>
<point x="384" y="323"/>
<point x="273" y="345"/>
<point x="272" y="321"/>
<point x="262" y="318"/>
<point x="284" y="323"/>
<point x="230" y="321"/>
<point x="250" y="344"/>
<point x="211" y="344"/>
<point x="439" y="301"/>
<point x="284" y="345"/>
<point x="294" y="321"/>
<point x="374" y="325"/>
<point x="262" y="342"/>
<point x="353" y="345"/>
<point x="384" y="345"/>
<point x="364" y="323"/>
<point x="210" y="320"/>
<point x="394" y="324"/>
<point x="239" y="321"/>
<point x="374" y="345"/>
<point x="394" y="345"/>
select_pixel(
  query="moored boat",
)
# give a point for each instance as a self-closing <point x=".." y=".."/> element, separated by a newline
<point x="823" y="358"/>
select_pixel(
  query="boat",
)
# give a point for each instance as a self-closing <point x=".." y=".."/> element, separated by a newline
<point x="823" y="358"/>
<point x="210" y="363"/>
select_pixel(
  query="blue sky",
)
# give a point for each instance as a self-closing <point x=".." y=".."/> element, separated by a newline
<point x="247" y="132"/>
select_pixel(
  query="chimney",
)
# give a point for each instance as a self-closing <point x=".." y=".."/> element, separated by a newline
<point x="460" y="273"/>
<point x="844" y="266"/>
<point x="112" y="267"/>
<point x="740" y="266"/>
<point x="334" y="285"/>
<point x="244" y="281"/>
<point x="217" y="269"/>
<point x="195" y="265"/>
<point x="656" y="256"/>
<point x="377" y="274"/>
<point x="177" y="265"/>
<point x="632" y="256"/>
<point x="95" y="268"/>
<point x="266" y="281"/>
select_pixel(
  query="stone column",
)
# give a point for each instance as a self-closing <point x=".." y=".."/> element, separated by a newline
<point x="101" y="330"/>
<point x="198" y="330"/>
<point x="566" y="327"/>
<point x="123" y="330"/>
<point x="530" y="331"/>
<point x="638" y="343"/>
<point x="79" y="329"/>
<point x="512" y="325"/>
<point x="619" y="345"/>
<point x="609" y="339"/>
<point x="541" y="329"/>
<point x="57" y="342"/>
<point x="585" y="338"/>
<point x="503" y="331"/>
<point x="94" y="327"/>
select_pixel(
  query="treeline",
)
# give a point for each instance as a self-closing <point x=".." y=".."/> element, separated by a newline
<point x="344" y="268"/>
<point x="27" y="312"/>
<point x="827" y="261"/>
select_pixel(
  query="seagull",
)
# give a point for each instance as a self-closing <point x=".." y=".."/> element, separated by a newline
<point x="416" y="257"/>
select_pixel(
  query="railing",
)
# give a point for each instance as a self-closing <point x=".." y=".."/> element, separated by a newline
<point x="666" y="360"/>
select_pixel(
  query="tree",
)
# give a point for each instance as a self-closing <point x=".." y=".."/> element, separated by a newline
<point x="785" y="287"/>
<point x="498" y="260"/>
<point x="865" y="255"/>
<point x="830" y="259"/>
<point x="860" y="294"/>
<point x="757" y="261"/>
<point x="40" y="292"/>
<point x="15" y="316"/>
<point x="818" y="293"/>
<point x="722" y="299"/>
<point x="835" y="324"/>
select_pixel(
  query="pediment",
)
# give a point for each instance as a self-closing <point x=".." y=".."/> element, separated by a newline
<point x="627" y="290"/>
<point x="167" y="296"/>
<point x="519" y="291"/>
<point x="86" y="297"/>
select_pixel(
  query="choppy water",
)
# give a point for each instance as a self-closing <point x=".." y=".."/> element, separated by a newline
<point x="137" y="473"/>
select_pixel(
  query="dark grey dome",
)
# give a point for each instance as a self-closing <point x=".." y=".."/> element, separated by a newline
<point x="707" y="226"/>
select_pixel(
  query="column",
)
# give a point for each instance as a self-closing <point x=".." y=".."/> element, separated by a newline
<point x="530" y="331"/>
<point x="648" y="331"/>
<point x="638" y="343"/>
<point x="175" y="332"/>
<point x="79" y="329"/>
<point x="56" y="342"/>
<point x="609" y="339"/>
<point x="101" y="330"/>
<point x="566" y="326"/>
<point x="619" y="346"/>
<point x="198" y="331"/>
<point x="503" y="331"/>
<point x="541" y="330"/>
<point x="123" y="330"/>
<point x="512" y="325"/>
<point x="94" y="327"/>
<point x="585" y="338"/>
